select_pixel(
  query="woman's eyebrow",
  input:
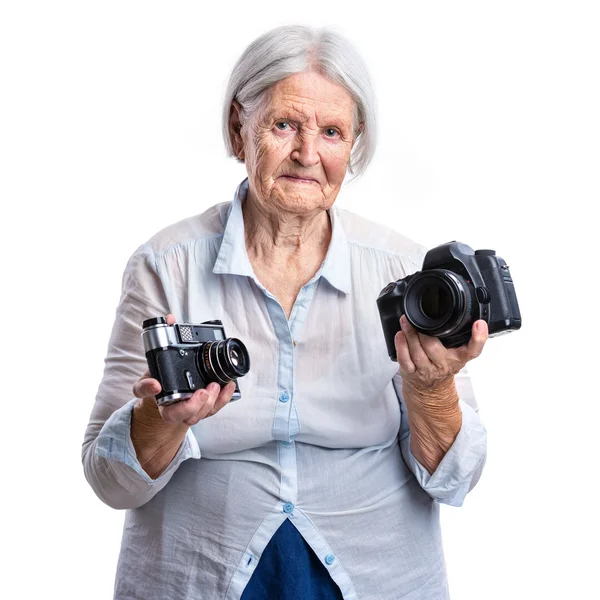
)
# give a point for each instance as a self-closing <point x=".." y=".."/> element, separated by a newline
<point x="287" y="116"/>
<point x="284" y="113"/>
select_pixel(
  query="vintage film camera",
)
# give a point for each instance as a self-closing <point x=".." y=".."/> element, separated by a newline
<point x="185" y="357"/>
<point x="456" y="287"/>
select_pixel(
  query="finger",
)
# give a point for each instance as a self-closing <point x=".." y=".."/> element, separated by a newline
<point x="224" y="398"/>
<point x="146" y="386"/>
<point x="192" y="409"/>
<point x="171" y="320"/>
<point x="182" y="410"/>
<point x="210" y="403"/>
<point x="417" y="354"/>
<point x="479" y="336"/>
<point x="403" y="354"/>
<point x="208" y="406"/>
<point x="434" y="349"/>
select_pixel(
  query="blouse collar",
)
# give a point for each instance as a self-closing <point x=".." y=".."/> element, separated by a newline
<point x="233" y="258"/>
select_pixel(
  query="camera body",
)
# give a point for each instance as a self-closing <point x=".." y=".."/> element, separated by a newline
<point x="455" y="287"/>
<point x="186" y="357"/>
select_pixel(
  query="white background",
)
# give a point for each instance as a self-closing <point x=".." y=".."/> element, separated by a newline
<point x="489" y="133"/>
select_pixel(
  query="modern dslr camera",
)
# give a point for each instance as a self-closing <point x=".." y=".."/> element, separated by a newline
<point x="185" y="357"/>
<point x="456" y="287"/>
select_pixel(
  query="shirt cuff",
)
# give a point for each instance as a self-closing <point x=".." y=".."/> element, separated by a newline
<point x="114" y="443"/>
<point x="461" y="467"/>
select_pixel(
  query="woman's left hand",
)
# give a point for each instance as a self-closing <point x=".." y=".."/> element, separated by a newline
<point x="426" y="364"/>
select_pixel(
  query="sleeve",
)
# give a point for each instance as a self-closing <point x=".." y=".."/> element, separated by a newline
<point x="461" y="467"/>
<point x="109" y="459"/>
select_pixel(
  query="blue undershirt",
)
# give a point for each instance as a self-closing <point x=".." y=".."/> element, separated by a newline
<point x="289" y="570"/>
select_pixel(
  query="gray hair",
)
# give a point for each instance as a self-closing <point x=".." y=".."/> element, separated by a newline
<point x="292" y="49"/>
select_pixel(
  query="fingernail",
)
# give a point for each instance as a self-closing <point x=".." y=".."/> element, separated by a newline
<point x="213" y="387"/>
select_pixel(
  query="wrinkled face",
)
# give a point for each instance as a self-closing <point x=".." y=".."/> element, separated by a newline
<point x="297" y="147"/>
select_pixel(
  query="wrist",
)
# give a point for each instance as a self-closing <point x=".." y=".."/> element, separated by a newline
<point x="434" y="419"/>
<point x="440" y="401"/>
<point x="150" y="433"/>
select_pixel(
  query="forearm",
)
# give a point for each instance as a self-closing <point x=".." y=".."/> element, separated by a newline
<point x="434" y="419"/>
<point x="452" y="474"/>
<point x="113" y="469"/>
<point x="155" y="442"/>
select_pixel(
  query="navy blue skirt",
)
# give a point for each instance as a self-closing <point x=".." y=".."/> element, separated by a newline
<point x="289" y="570"/>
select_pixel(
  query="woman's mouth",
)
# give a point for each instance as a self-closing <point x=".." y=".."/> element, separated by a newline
<point x="298" y="179"/>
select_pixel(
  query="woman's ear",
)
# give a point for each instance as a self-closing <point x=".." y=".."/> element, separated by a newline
<point x="235" y="128"/>
<point x="357" y="133"/>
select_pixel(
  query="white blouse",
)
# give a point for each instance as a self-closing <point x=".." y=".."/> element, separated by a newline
<point x="319" y="435"/>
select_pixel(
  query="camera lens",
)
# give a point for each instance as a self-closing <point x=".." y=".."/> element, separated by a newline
<point x="438" y="302"/>
<point x="224" y="360"/>
<point x="435" y="302"/>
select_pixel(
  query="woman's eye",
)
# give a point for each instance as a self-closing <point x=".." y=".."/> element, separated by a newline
<point x="330" y="132"/>
<point x="282" y="123"/>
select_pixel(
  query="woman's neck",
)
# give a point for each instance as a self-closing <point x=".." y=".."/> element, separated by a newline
<point x="284" y="240"/>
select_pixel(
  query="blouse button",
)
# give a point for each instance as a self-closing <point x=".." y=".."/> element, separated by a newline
<point x="288" y="507"/>
<point x="284" y="397"/>
<point x="329" y="559"/>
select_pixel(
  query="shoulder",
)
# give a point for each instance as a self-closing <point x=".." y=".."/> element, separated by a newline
<point x="183" y="235"/>
<point x="207" y="225"/>
<point x="376" y="238"/>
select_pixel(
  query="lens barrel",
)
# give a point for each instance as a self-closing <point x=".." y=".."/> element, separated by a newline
<point x="439" y="302"/>
<point x="223" y="360"/>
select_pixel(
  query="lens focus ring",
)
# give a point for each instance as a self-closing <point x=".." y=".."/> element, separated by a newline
<point x="224" y="360"/>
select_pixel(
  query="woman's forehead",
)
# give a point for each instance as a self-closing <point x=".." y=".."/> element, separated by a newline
<point x="312" y="87"/>
<point x="303" y="100"/>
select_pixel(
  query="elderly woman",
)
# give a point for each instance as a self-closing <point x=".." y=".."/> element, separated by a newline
<point x="324" y="480"/>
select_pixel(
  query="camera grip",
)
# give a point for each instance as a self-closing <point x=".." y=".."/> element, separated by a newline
<point x="168" y="366"/>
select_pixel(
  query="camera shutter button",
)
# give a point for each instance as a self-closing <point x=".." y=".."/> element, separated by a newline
<point x="483" y="295"/>
<point x="485" y="252"/>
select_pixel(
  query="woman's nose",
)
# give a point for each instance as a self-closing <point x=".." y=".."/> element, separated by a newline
<point x="306" y="150"/>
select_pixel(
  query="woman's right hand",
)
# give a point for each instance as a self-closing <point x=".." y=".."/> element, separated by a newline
<point x="204" y="403"/>
<point x="158" y="431"/>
